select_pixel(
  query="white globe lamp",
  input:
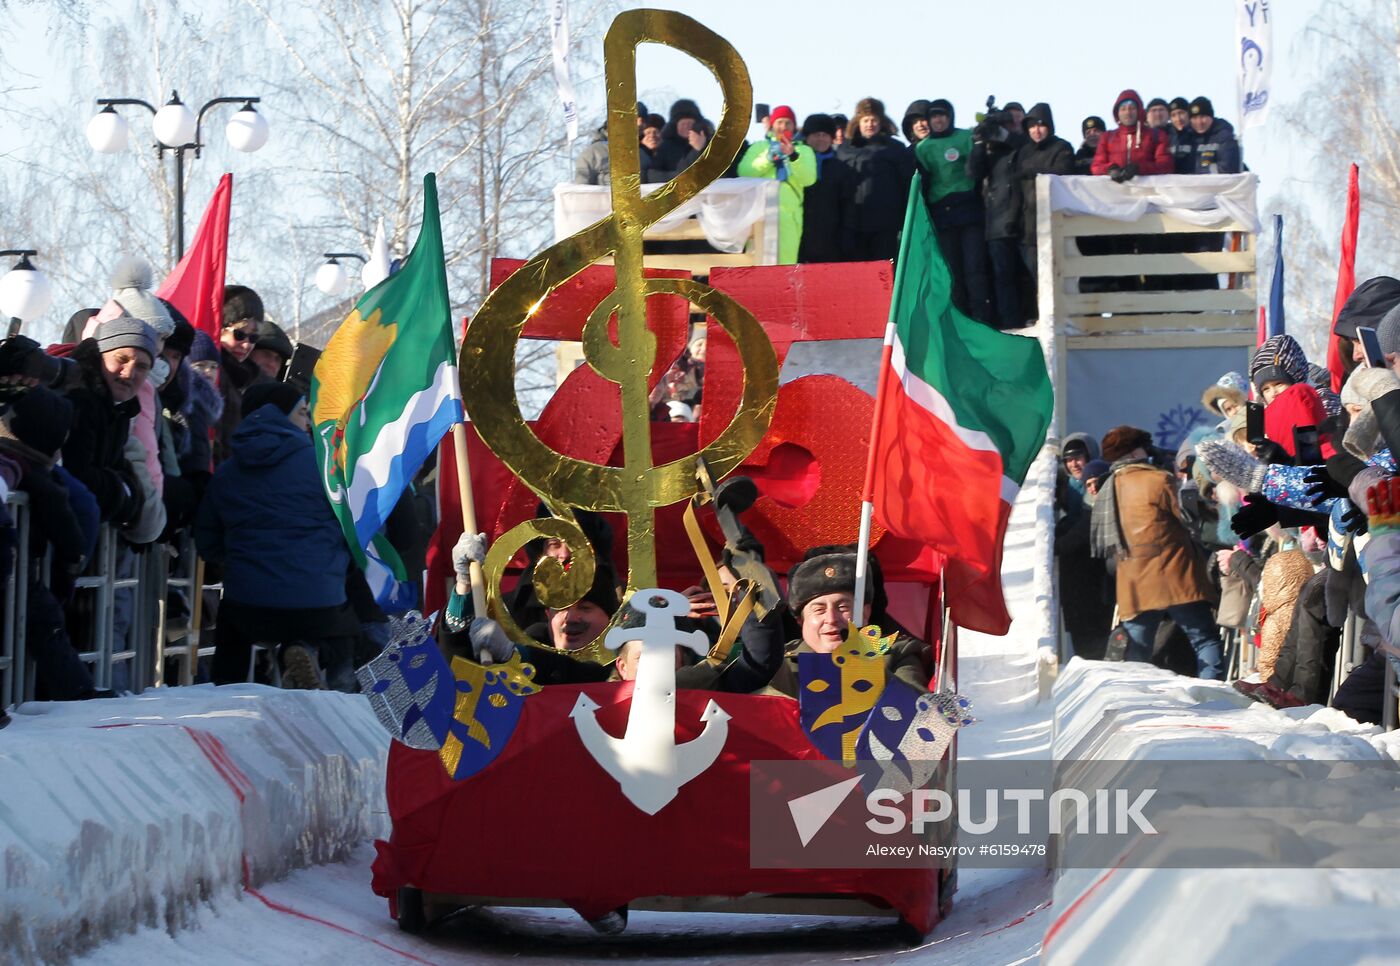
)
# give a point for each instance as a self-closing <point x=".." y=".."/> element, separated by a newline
<point x="25" y="292"/>
<point x="175" y="123"/>
<point x="247" y="131"/>
<point x="332" y="279"/>
<point x="107" y="131"/>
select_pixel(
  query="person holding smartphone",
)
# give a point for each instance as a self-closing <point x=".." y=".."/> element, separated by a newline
<point x="793" y="165"/>
<point x="1279" y="372"/>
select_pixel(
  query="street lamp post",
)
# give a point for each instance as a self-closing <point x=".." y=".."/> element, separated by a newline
<point x="177" y="129"/>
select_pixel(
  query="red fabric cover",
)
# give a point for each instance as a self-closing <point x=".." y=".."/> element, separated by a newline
<point x="545" y="821"/>
<point x="1298" y="405"/>
<point x="1149" y="147"/>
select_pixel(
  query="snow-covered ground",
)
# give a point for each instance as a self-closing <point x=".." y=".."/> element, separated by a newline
<point x="1120" y="712"/>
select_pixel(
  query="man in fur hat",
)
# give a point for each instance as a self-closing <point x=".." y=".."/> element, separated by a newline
<point x="882" y="168"/>
<point x="1137" y="521"/>
<point x="821" y="595"/>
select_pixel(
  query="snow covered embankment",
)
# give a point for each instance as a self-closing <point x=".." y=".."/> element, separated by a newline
<point x="129" y="812"/>
<point x="1130" y="711"/>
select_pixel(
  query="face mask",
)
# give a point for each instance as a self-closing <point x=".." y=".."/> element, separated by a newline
<point x="160" y="372"/>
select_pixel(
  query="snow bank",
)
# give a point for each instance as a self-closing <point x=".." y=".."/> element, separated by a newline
<point x="129" y="812"/>
<point x="1113" y="712"/>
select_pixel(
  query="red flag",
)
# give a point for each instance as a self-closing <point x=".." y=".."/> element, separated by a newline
<point x="196" y="286"/>
<point x="1346" y="275"/>
<point x="1262" y="333"/>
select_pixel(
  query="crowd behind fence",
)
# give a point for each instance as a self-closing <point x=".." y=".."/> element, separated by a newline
<point x="154" y="651"/>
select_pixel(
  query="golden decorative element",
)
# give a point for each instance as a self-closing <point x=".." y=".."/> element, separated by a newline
<point x="487" y="362"/>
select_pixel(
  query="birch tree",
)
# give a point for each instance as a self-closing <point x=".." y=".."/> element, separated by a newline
<point x="1352" y="52"/>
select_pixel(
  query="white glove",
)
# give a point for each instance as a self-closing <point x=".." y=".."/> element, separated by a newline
<point x="469" y="549"/>
<point x="489" y="640"/>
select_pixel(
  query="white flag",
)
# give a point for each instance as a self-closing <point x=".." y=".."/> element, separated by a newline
<point x="1255" y="50"/>
<point x="559" y="33"/>
<point x="376" y="269"/>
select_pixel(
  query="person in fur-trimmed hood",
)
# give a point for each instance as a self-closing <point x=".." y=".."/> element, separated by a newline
<point x="1226" y="395"/>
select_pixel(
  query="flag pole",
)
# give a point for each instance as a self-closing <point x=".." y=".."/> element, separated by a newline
<point x="464" y="493"/>
<point x="867" y="493"/>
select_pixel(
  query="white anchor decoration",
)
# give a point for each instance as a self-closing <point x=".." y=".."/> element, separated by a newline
<point x="646" y="761"/>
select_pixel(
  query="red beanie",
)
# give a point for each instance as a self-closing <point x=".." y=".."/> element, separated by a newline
<point x="782" y="110"/>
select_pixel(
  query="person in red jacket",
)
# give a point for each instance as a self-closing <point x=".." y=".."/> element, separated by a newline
<point x="1134" y="148"/>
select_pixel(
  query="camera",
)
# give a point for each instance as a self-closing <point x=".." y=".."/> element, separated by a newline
<point x="992" y="123"/>
<point x="22" y="356"/>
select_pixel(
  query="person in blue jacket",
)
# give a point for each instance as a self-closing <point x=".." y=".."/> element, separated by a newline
<point x="265" y="518"/>
<point x="1213" y="147"/>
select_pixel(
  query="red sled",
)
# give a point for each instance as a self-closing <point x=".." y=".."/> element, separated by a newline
<point x="545" y="825"/>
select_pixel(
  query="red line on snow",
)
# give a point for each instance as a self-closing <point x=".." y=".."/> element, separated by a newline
<point x="1020" y="919"/>
<point x="272" y="904"/>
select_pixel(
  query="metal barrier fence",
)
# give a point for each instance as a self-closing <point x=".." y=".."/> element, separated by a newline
<point x="129" y="635"/>
<point x="16" y="676"/>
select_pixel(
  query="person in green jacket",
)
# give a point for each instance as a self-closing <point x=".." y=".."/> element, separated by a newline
<point x="955" y="207"/>
<point x="794" y="165"/>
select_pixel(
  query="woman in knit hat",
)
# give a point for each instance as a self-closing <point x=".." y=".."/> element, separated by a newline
<point x="1279" y="371"/>
<point x="132" y="280"/>
<point x="112" y="365"/>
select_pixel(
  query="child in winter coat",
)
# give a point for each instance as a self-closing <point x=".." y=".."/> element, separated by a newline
<point x="1279" y="371"/>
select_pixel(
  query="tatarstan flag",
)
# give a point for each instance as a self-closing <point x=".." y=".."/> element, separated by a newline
<point x="382" y="395"/>
<point x="961" y="414"/>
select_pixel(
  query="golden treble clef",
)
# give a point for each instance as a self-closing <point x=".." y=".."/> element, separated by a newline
<point x="488" y="353"/>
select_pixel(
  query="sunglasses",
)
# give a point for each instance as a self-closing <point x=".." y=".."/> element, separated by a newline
<point x="243" y="335"/>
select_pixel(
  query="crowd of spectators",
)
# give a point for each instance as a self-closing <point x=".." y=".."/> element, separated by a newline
<point x="1266" y="531"/>
<point x="139" y="424"/>
<point x="844" y="181"/>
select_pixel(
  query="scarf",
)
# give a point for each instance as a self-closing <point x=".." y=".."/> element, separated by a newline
<point x="1105" y="531"/>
